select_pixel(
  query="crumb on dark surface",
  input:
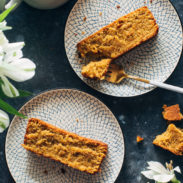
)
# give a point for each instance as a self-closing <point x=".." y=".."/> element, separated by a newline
<point x="63" y="170"/>
<point x="139" y="139"/>
<point x="45" y="172"/>
<point x="84" y="19"/>
<point x="118" y="6"/>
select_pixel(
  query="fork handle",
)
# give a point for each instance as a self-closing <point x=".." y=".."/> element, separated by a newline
<point x="166" y="86"/>
<point x="158" y="84"/>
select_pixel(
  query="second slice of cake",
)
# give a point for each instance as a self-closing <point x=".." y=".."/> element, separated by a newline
<point x="68" y="148"/>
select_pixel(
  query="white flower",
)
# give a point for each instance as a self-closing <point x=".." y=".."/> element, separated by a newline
<point x="3" y="26"/>
<point x="13" y="66"/>
<point x="156" y="171"/>
<point x="4" y="121"/>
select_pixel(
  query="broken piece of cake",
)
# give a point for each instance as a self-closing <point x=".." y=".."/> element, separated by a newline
<point x="68" y="148"/>
<point x="96" y="70"/>
<point x="139" y="139"/>
<point x="171" y="140"/>
<point x="172" y="113"/>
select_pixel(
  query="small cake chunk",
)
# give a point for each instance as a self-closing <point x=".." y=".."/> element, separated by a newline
<point x="68" y="148"/>
<point x="171" y="140"/>
<point x="139" y="139"/>
<point x="172" y="113"/>
<point x="96" y="69"/>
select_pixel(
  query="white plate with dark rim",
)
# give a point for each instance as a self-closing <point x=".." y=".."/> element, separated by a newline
<point x="74" y="111"/>
<point x="153" y="60"/>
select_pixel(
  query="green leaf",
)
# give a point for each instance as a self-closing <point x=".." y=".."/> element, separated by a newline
<point x="2" y="125"/>
<point x="24" y="93"/>
<point x="8" y="108"/>
<point x="5" y="13"/>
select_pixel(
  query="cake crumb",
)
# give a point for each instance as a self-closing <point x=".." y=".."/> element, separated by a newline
<point x="84" y="19"/>
<point x="77" y="120"/>
<point x="172" y="113"/>
<point x="118" y="7"/>
<point x="139" y="139"/>
<point x="75" y="34"/>
<point x="100" y="13"/>
<point x="83" y="32"/>
<point x="151" y="1"/>
<point x="45" y="172"/>
<point x="63" y="170"/>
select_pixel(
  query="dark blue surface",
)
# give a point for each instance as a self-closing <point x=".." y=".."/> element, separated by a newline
<point x="43" y="33"/>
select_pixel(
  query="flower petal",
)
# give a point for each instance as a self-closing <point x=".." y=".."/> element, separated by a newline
<point x="13" y="55"/>
<point x="157" y="167"/>
<point x="3" y="26"/>
<point x="149" y="174"/>
<point x="177" y="169"/>
<point x="3" y="39"/>
<point x="8" y="89"/>
<point x="11" y="47"/>
<point x="4" y="121"/>
<point x="19" y="70"/>
<point x="164" y="178"/>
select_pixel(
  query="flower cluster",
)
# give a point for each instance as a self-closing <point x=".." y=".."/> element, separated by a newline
<point x="12" y="66"/>
<point x="156" y="171"/>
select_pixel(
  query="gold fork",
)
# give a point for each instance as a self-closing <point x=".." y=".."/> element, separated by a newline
<point x="116" y="74"/>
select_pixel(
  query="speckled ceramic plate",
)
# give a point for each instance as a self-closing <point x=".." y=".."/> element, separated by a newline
<point x="74" y="111"/>
<point x="155" y="59"/>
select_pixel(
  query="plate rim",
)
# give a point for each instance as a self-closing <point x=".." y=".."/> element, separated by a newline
<point x="64" y="89"/>
<point x="145" y="92"/>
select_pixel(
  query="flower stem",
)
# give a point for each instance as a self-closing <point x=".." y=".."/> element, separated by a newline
<point x="174" y="180"/>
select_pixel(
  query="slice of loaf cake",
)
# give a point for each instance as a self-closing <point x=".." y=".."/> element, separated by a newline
<point x="120" y="36"/>
<point x="171" y="140"/>
<point x="68" y="148"/>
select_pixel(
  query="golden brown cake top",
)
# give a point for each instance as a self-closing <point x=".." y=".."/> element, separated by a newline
<point x="172" y="113"/>
<point x="171" y="140"/>
<point x="120" y="36"/>
<point x="75" y="151"/>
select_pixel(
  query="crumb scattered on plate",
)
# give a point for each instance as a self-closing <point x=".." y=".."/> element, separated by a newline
<point x="45" y="172"/>
<point x="83" y="33"/>
<point x="63" y="170"/>
<point x="139" y="139"/>
<point x="84" y="19"/>
<point x="118" y="7"/>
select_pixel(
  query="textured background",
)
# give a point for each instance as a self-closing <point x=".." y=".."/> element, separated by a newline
<point x="43" y="33"/>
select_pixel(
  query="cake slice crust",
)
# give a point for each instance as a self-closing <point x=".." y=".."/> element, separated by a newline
<point x="68" y="148"/>
<point x="120" y="36"/>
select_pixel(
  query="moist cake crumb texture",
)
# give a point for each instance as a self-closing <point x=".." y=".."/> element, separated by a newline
<point x="171" y="140"/>
<point x="120" y="36"/>
<point x="75" y="151"/>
